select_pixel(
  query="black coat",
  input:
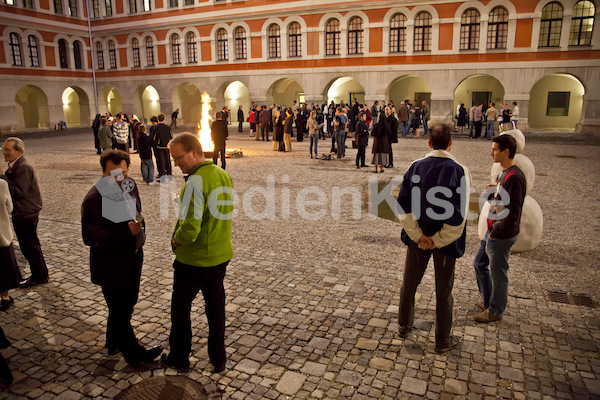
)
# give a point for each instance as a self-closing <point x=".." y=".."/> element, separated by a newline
<point x="145" y="145"/>
<point x="381" y="134"/>
<point x="362" y="133"/>
<point x="114" y="260"/>
<point x="393" y="122"/>
<point x="218" y="132"/>
<point x="240" y="115"/>
<point x="163" y="135"/>
<point x="24" y="190"/>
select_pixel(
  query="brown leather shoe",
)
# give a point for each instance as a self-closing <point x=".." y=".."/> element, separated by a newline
<point x="452" y="344"/>
<point x="486" y="317"/>
<point x="480" y="305"/>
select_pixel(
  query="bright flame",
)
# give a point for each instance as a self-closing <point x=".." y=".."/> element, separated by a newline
<point x="204" y="132"/>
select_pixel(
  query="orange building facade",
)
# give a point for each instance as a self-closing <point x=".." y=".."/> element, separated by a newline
<point x="148" y="56"/>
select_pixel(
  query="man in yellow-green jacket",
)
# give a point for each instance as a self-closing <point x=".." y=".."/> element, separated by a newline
<point x="202" y="245"/>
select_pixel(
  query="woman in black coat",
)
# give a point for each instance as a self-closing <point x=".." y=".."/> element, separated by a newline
<point x="462" y="117"/>
<point x="381" y="142"/>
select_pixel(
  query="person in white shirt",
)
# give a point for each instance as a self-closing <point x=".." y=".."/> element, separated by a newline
<point x="515" y="113"/>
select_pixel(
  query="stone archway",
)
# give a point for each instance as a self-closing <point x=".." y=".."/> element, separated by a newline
<point x="408" y="87"/>
<point x="344" y="88"/>
<point x="148" y="102"/>
<point x="76" y="107"/>
<point x="284" y="92"/>
<point x="32" y="107"/>
<point x="478" y="89"/>
<point x="234" y="95"/>
<point x="186" y="97"/>
<point x="109" y="100"/>
<point x="556" y="102"/>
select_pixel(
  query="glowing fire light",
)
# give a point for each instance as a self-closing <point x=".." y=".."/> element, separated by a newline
<point x="204" y="132"/>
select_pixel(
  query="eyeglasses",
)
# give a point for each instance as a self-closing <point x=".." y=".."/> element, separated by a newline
<point x="179" y="157"/>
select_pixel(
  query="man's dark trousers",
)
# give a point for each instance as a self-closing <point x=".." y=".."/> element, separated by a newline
<point x="415" y="266"/>
<point x="26" y="231"/>
<point x="360" y="156"/>
<point x="265" y="131"/>
<point x="219" y="149"/>
<point x="163" y="161"/>
<point x="187" y="282"/>
<point x="240" y="127"/>
<point x="119" y="332"/>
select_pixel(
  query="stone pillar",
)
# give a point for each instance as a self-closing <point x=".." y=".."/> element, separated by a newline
<point x="442" y="108"/>
<point x="314" y="98"/>
<point x="590" y="115"/>
<point x="10" y="121"/>
<point x="523" y="103"/>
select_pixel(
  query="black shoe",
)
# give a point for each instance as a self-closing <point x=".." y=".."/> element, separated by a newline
<point x="145" y="355"/>
<point x="452" y="344"/>
<point x="403" y="331"/>
<point x="363" y="165"/>
<point x="220" y="367"/>
<point x="113" y="351"/>
<point x="31" y="282"/>
<point x="5" y="304"/>
<point x="182" y="366"/>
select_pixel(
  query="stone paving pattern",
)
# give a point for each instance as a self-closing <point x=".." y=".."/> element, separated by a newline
<point x="312" y="305"/>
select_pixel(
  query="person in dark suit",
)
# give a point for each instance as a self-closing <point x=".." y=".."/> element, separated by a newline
<point x="362" y="133"/>
<point x="116" y="255"/>
<point x="264" y="117"/>
<point x="393" y="138"/>
<point x="218" y="134"/>
<point x="162" y="137"/>
<point x="27" y="204"/>
<point x="240" y="119"/>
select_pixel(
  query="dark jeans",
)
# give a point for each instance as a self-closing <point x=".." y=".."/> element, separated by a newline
<point x="415" y="265"/>
<point x="240" y="127"/>
<point x="187" y="282"/>
<point x="216" y="152"/>
<point x="360" y="156"/>
<point x="26" y="231"/>
<point x="478" y="126"/>
<point x="163" y="161"/>
<point x="391" y="156"/>
<point x="122" y="146"/>
<point x="119" y="332"/>
<point x="265" y="131"/>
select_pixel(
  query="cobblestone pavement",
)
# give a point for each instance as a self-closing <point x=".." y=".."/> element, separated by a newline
<point x="312" y="304"/>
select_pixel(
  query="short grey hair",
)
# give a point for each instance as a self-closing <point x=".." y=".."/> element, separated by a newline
<point x="18" y="144"/>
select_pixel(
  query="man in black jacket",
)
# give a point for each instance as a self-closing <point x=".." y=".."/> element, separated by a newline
<point x="240" y="119"/>
<point x="162" y="138"/>
<point x="27" y="202"/>
<point x="218" y="133"/>
<point x="116" y="253"/>
<point x="362" y="133"/>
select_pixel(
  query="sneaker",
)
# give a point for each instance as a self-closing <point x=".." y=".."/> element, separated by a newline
<point x="486" y="316"/>
<point x="403" y="331"/>
<point x="452" y="344"/>
<point x="151" y="183"/>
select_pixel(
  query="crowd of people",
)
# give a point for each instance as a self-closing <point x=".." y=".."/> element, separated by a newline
<point x="480" y="113"/>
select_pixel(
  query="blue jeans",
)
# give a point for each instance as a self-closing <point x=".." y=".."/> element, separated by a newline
<point x="425" y="127"/>
<point x="340" y="137"/>
<point x="404" y="125"/>
<point x="148" y="170"/>
<point x="314" y="139"/>
<point x="491" y="270"/>
<point x="489" y="129"/>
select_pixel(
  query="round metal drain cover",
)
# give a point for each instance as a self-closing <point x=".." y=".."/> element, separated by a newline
<point x="165" y="388"/>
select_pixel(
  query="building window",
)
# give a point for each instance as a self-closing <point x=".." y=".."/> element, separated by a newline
<point x="132" y="6"/>
<point x="294" y="40"/>
<point x="149" y="52"/>
<point x="239" y="37"/>
<point x="497" y="29"/>
<point x="96" y="8"/>
<point x="355" y="36"/>
<point x="398" y="33"/>
<point x="423" y="32"/>
<point x="222" y="53"/>
<point x="99" y="55"/>
<point x="34" y="54"/>
<point x="332" y="37"/>
<point x="26" y="4"/>
<point x="147" y="5"/>
<point x="73" y="8"/>
<point x="58" y="7"/>
<point x="173" y="3"/>
<point x="112" y="54"/>
<point x="9" y="2"/>
<point x="188" y="2"/>
<point x="274" y="41"/>
<point x="551" y="25"/>
<point x="108" y="7"/>
<point x="190" y="40"/>
<point x="582" y="24"/>
<point x="469" y="30"/>
<point x="558" y="104"/>
<point x="135" y="50"/>
<point x="175" y="49"/>
<point x="63" y="54"/>
<point x="15" y="49"/>
<point x="77" y="54"/>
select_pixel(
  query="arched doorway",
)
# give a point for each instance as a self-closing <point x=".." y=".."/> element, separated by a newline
<point x="411" y="88"/>
<point x="344" y="88"/>
<point x="556" y="102"/>
<point x="186" y="97"/>
<point x="76" y="107"/>
<point x="284" y="92"/>
<point x="109" y="99"/>
<point x="232" y="94"/>
<point x="478" y="89"/>
<point x="149" y="101"/>
<point x="32" y="107"/>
